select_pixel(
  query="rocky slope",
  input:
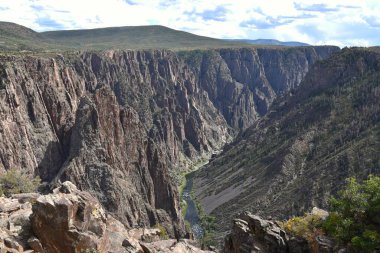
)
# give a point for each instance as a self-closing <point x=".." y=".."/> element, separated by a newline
<point x="122" y="124"/>
<point x="71" y="221"/>
<point x="301" y="152"/>
<point x="251" y="233"/>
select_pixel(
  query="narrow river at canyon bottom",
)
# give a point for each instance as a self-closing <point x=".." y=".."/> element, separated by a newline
<point x="192" y="215"/>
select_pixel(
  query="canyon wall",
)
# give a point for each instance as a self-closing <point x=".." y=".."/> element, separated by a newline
<point x="299" y="155"/>
<point x="123" y="124"/>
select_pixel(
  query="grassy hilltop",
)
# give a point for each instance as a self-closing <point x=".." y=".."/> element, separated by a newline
<point x="15" y="37"/>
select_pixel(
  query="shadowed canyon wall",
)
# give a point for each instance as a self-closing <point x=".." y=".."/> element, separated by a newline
<point x="299" y="155"/>
<point x="123" y="124"/>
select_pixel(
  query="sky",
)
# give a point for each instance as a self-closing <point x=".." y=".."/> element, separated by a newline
<point x="323" y="22"/>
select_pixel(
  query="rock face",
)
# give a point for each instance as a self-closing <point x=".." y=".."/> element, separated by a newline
<point x="302" y="151"/>
<point x="73" y="221"/>
<point x="182" y="246"/>
<point x="251" y="233"/>
<point x="242" y="83"/>
<point x="15" y="228"/>
<point x="122" y="124"/>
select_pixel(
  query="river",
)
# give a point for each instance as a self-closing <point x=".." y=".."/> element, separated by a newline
<point x="191" y="212"/>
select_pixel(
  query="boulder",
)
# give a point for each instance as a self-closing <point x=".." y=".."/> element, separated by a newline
<point x="72" y="221"/>
<point x="9" y="205"/>
<point x="144" y="234"/>
<point x="324" y="244"/>
<point x="240" y="239"/>
<point x="298" y="245"/>
<point x="67" y="187"/>
<point x="12" y="243"/>
<point x="26" y="197"/>
<point x="250" y="233"/>
<point x="36" y="245"/>
<point x="15" y="226"/>
<point x="181" y="246"/>
<point x="3" y="220"/>
<point x="323" y="214"/>
<point x="20" y="220"/>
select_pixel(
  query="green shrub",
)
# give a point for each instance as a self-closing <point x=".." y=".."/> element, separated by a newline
<point x="208" y="239"/>
<point x="208" y="223"/>
<point x="308" y="227"/>
<point x="13" y="181"/>
<point x="187" y="225"/>
<point x="163" y="233"/>
<point x="355" y="215"/>
<point x="209" y="226"/>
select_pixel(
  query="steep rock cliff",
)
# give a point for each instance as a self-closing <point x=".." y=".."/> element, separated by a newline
<point x="106" y="121"/>
<point x="243" y="83"/>
<point x="300" y="153"/>
<point x="121" y="124"/>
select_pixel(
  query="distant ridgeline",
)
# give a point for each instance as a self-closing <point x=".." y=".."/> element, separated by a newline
<point x="271" y="42"/>
<point x="15" y="37"/>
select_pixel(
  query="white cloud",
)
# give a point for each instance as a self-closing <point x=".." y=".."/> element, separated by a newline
<point x="317" y="22"/>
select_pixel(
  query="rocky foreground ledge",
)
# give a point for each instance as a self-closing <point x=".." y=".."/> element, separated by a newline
<point x="72" y="221"/>
<point x="250" y="233"/>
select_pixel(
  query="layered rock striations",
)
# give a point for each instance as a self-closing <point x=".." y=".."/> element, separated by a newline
<point x="301" y="152"/>
<point x="121" y="124"/>
<point x="243" y="83"/>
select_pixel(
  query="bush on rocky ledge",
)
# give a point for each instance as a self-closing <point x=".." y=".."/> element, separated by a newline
<point x="13" y="182"/>
<point x="163" y="234"/>
<point x="355" y="215"/>
<point x="353" y="221"/>
<point x="307" y="226"/>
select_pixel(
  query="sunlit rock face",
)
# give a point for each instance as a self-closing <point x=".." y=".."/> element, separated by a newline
<point x="123" y="124"/>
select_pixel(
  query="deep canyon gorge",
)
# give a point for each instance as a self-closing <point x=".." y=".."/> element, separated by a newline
<point x="123" y="124"/>
<point x="137" y="147"/>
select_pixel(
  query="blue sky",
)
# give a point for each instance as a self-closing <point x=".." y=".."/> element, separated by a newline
<point x="342" y="23"/>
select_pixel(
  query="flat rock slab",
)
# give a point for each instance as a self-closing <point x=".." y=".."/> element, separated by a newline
<point x="182" y="246"/>
<point x="9" y="205"/>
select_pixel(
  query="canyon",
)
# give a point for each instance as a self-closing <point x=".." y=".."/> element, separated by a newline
<point x="123" y="125"/>
<point x="301" y="152"/>
<point x="113" y="123"/>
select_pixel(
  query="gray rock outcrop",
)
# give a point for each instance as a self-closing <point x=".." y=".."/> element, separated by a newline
<point x="251" y="233"/>
<point x="73" y="221"/>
